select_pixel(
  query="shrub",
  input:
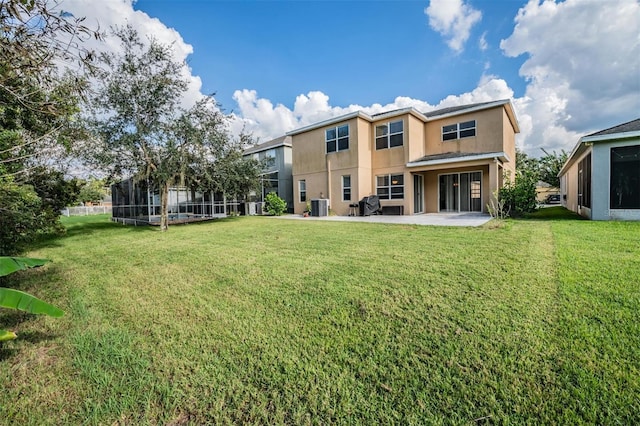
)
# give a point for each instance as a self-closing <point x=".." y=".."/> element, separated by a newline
<point x="519" y="197"/>
<point x="21" y="216"/>
<point x="275" y="205"/>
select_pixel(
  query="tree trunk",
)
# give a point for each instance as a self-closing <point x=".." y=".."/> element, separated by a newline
<point x="164" y="201"/>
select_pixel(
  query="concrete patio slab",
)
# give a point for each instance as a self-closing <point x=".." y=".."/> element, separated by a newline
<point x="433" y="219"/>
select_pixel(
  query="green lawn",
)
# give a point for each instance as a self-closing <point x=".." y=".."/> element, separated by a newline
<point x="265" y="321"/>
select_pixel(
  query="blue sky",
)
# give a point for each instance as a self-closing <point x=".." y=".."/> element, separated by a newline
<point x="354" y="52"/>
<point x="570" y="67"/>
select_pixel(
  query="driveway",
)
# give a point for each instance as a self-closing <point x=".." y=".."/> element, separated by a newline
<point x="433" y="219"/>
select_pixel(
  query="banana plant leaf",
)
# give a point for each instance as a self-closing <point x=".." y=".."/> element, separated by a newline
<point x="9" y="265"/>
<point x="7" y="335"/>
<point x="16" y="299"/>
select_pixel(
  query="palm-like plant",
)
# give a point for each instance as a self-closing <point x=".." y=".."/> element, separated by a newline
<point x="16" y="299"/>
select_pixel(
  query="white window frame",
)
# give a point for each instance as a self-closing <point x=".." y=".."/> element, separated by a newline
<point x="301" y="191"/>
<point x="337" y="138"/>
<point x="346" y="187"/>
<point x="391" y="185"/>
<point x="388" y="134"/>
<point x="459" y="130"/>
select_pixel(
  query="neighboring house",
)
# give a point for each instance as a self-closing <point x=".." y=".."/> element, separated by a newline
<point x="276" y="177"/>
<point x="601" y="178"/>
<point x="449" y="160"/>
<point x="134" y="201"/>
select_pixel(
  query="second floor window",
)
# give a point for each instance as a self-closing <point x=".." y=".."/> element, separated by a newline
<point x="459" y="130"/>
<point x="270" y="158"/>
<point x="390" y="135"/>
<point x="337" y="138"/>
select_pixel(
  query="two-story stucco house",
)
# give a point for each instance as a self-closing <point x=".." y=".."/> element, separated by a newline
<point x="276" y="177"/>
<point x="449" y="160"/>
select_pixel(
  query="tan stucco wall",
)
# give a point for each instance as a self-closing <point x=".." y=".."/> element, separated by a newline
<point x="323" y="172"/>
<point x="509" y="145"/>
<point x="488" y="138"/>
<point x="571" y="182"/>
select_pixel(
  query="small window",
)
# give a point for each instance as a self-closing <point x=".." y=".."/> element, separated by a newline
<point x="390" y="135"/>
<point x="337" y="138"/>
<point x="390" y="187"/>
<point x="468" y="129"/>
<point x="459" y="130"/>
<point x="302" y="189"/>
<point x="346" y="188"/>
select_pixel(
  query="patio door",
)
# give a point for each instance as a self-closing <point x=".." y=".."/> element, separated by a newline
<point x="460" y="192"/>
<point x="418" y="194"/>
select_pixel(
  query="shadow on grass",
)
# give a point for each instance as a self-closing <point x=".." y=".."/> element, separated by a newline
<point x="553" y="213"/>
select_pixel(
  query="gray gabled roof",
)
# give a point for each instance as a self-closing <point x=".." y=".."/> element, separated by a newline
<point x="630" y="129"/>
<point x="274" y="143"/>
<point x="462" y="108"/>
<point x="425" y="117"/>
<point x="631" y="126"/>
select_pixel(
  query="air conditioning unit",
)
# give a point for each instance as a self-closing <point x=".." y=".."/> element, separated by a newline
<point x="320" y="207"/>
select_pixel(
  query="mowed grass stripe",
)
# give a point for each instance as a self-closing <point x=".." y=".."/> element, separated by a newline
<point x="255" y="320"/>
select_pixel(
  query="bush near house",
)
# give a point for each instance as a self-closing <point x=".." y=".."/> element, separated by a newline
<point x="275" y="205"/>
<point x="519" y="196"/>
<point x="330" y="322"/>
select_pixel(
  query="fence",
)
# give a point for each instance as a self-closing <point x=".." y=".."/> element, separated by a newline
<point x="86" y="211"/>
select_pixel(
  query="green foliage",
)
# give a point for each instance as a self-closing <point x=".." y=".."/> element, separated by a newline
<point x="92" y="191"/>
<point x="233" y="174"/>
<point x="519" y="197"/>
<point x="275" y="205"/>
<point x="140" y="126"/>
<point x="545" y="168"/>
<point x="16" y="299"/>
<point x="550" y="165"/>
<point x="21" y="217"/>
<point x="38" y="106"/>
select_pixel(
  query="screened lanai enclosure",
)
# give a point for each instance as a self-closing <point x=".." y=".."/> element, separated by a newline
<point x="137" y="202"/>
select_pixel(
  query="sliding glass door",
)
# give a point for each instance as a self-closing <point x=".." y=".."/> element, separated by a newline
<point x="461" y="192"/>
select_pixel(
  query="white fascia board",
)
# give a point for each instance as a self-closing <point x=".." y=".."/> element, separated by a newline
<point x="329" y="122"/>
<point x="487" y="156"/>
<point x="397" y="112"/>
<point x="585" y="141"/>
<point x="612" y="136"/>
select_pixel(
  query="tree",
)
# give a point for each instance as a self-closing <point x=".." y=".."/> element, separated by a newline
<point x="37" y="97"/>
<point x="143" y="131"/>
<point x="549" y="166"/>
<point x="91" y="191"/>
<point x="233" y="174"/>
<point x="38" y="102"/>
<point x="527" y="164"/>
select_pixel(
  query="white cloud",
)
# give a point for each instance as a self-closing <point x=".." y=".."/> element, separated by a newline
<point x="482" y="42"/>
<point x="453" y="19"/>
<point x="265" y="121"/>
<point x="582" y="69"/>
<point x="106" y="14"/>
